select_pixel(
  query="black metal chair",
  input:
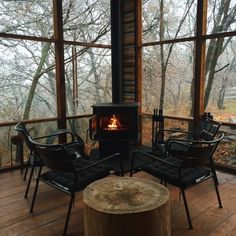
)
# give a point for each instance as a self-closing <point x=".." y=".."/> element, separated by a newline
<point x="206" y="130"/>
<point x="33" y="158"/>
<point x="186" y="172"/>
<point x="66" y="174"/>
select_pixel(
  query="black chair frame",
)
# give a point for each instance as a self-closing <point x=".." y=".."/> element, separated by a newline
<point x="206" y="130"/>
<point x="59" y="163"/>
<point x="33" y="159"/>
<point x="189" y="162"/>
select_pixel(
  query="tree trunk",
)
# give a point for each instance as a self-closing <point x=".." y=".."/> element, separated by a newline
<point x="225" y="17"/>
<point x="220" y="102"/>
<point x="221" y="97"/>
<point x="35" y="80"/>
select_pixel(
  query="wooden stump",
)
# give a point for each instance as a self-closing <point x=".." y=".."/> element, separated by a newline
<point x="125" y="206"/>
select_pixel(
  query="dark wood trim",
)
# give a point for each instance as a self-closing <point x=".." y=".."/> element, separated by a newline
<point x="193" y="38"/>
<point x="60" y="73"/>
<point x="191" y="119"/>
<point x="11" y="123"/>
<point x="79" y="116"/>
<point x="226" y="168"/>
<point x="25" y="37"/>
<point x="83" y="44"/>
<point x="227" y="123"/>
<point x="89" y="115"/>
<point x="220" y="35"/>
<point x="178" y="40"/>
<point x="170" y="117"/>
<point x="12" y="168"/>
<point x="4" y="124"/>
<point x="199" y="70"/>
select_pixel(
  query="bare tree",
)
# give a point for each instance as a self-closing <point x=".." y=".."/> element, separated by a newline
<point x="161" y="25"/>
<point x="86" y="21"/>
<point x="223" y="18"/>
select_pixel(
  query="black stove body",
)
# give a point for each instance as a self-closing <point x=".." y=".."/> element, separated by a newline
<point x="115" y="126"/>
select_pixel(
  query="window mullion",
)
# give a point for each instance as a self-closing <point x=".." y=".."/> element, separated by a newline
<point x="199" y="72"/>
<point x="59" y="54"/>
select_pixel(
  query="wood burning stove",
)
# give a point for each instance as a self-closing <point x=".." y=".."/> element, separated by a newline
<point x="115" y="126"/>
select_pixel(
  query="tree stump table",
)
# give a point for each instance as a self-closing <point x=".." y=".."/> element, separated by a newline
<point x="126" y="206"/>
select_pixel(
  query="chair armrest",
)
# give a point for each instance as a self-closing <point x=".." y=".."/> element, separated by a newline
<point x="174" y="131"/>
<point x="103" y="160"/>
<point x="55" y="133"/>
<point x="52" y="136"/>
<point x="171" y="132"/>
<point x="151" y="157"/>
<point x="192" y="142"/>
<point x="181" y="142"/>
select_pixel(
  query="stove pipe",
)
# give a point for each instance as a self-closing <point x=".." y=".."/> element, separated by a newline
<point x="116" y="52"/>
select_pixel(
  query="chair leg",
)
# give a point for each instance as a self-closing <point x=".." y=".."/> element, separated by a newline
<point x="186" y="209"/>
<point x="29" y="182"/>
<point x="26" y="170"/>
<point x="213" y="170"/>
<point x="217" y="190"/>
<point x="217" y="181"/>
<point x="68" y="213"/>
<point x="35" y="190"/>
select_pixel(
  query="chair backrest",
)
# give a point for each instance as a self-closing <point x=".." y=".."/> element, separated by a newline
<point x="201" y="151"/>
<point x="206" y="130"/>
<point x="24" y="133"/>
<point x="55" y="156"/>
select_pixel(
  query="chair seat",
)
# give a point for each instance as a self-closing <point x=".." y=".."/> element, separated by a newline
<point x="160" y="149"/>
<point x="184" y="171"/>
<point x="65" y="180"/>
<point x="190" y="176"/>
<point x="179" y="150"/>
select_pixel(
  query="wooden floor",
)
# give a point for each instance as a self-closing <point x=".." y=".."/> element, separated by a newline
<point x="51" y="207"/>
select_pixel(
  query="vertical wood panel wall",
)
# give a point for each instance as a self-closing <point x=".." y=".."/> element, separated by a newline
<point x="131" y="50"/>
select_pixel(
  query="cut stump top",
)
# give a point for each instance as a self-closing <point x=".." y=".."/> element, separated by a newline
<point x="125" y="195"/>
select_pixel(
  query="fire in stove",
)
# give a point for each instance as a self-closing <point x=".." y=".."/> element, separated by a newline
<point x="114" y="124"/>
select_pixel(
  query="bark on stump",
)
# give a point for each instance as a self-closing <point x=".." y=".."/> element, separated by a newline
<point x="125" y="206"/>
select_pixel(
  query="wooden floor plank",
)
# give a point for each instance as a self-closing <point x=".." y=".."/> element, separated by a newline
<point x="226" y="228"/>
<point x="51" y="207"/>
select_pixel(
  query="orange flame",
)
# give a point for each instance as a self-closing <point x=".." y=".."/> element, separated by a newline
<point x="114" y="122"/>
